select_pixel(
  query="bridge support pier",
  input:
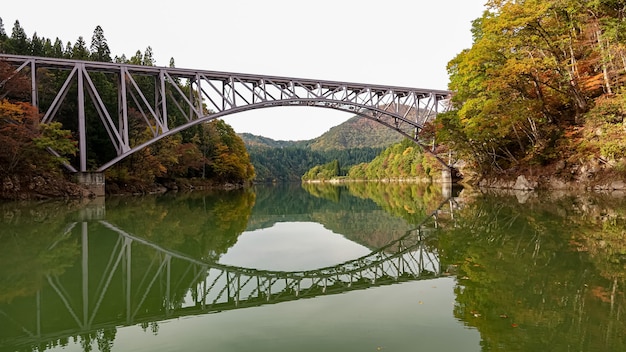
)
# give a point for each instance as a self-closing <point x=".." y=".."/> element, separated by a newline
<point x="93" y="181"/>
<point x="446" y="182"/>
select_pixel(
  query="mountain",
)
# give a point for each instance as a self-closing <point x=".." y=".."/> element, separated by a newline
<point x="358" y="140"/>
<point x="357" y="132"/>
<point x="355" y="141"/>
<point x="252" y="140"/>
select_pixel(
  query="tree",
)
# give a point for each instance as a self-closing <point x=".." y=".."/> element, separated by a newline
<point x="228" y="158"/>
<point x="148" y="57"/>
<point x="57" y="49"/>
<point x="37" y="45"/>
<point x="12" y="86"/>
<point x="531" y="73"/>
<point x="79" y="50"/>
<point x="3" y="37"/>
<point x="3" y="33"/>
<point x="18" y="43"/>
<point x="323" y="172"/>
<point x="25" y="142"/>
<point x="99" y="48"/>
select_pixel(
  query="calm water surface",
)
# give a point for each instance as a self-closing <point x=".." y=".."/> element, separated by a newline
<point x="363" y="267"/>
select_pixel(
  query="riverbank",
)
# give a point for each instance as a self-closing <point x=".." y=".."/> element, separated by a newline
<point x="53" y="186"/>
<point x="594" y="175"/>
<point x="45" y="186"/>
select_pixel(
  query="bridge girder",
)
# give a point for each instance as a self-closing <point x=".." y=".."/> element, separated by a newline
<point x="200" y="96"/>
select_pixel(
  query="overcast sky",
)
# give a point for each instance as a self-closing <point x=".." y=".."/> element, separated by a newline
<point x="392" y="42"/>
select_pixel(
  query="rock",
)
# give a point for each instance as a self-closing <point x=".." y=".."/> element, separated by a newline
<point x="523" y="184"/>
<point x="620" y="184"/>
<point x="522" y="196"/>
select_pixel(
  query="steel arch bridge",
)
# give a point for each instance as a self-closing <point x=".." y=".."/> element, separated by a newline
<point x="201" y="96"/>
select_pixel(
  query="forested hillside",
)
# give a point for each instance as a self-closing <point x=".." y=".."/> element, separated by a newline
<point x="355" y="141"/>
<point x="357" y="132"/>
<point x="290" y="163"/>
<point x="401" y="161"/>
<point x="541" y="91"/>
<point x="210" y="154"/>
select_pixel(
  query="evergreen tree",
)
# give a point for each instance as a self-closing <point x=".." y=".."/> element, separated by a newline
<point x="67" y="53"/>
<point x="79" y="50"/>
<point x="47" y="48"/>
<point x="99" y="48"/>
<point x="148" y="57"/>
<point x="37" y="45"/>
<point x="18" y="43"/>
<point x="136" y="59"/>
<point x="3" y="37"/>
<point x="3" y="33"/>
<point x="57" y="49"/>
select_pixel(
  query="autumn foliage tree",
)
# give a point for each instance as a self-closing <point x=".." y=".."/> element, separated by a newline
<point x="25" y="142"/>
<point x="534" y="71"/>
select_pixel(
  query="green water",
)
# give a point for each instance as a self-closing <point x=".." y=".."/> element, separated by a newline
<point x="362" y="267"/>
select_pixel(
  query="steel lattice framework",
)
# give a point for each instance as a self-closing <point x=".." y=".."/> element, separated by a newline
<point x="201" y="96"/>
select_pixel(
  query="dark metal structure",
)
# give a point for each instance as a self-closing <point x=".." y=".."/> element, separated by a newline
<point x="202" y="95"/>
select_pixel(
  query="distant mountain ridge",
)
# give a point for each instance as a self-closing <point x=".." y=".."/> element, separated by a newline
<point x="358" y="140"/>
<point x="357" y="132"/>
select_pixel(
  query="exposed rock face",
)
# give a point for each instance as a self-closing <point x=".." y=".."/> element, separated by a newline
<point x="41" y="187"/>
<point x="593" y="175"/>
<point x="523" y="184"/>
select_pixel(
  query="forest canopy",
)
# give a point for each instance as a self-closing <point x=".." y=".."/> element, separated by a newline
<point x="542" y="82"/>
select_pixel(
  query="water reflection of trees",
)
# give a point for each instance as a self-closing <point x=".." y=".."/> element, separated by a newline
<point x="42" y="244"/>
<point x="33" y="244"/>
<point x="372" y="214"/>
<point x="543" y="275"/>
<point x="200" y="225"/>
<point x="409" y="201"/>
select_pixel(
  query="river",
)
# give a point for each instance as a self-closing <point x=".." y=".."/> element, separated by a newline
<point x="357" y="267"/>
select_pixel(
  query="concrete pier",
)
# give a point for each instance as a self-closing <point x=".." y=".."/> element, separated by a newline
<point x="446" y="182"/>
<point x="94" y="181"/>
<point x="92" y="210"/>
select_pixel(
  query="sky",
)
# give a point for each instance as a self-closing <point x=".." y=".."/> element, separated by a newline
<point x="392" y="42"/>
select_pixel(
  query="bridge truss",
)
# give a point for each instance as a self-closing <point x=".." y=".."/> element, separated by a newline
<point x="201" y="95"/>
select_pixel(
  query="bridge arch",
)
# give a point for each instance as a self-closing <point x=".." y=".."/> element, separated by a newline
<point x="210" y="95"/>
<point x="378" y="115"/>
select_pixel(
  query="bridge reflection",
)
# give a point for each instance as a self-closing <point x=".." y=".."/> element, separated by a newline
<point x="121" y="279"/>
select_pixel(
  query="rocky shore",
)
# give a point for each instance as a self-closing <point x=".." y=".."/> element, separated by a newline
<point x="594" y="175"/>
<point x="59" y="187"/>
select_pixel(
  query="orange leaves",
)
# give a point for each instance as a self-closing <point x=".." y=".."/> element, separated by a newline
<point x="24" y="141"/>
<point x="13" y="85"/>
